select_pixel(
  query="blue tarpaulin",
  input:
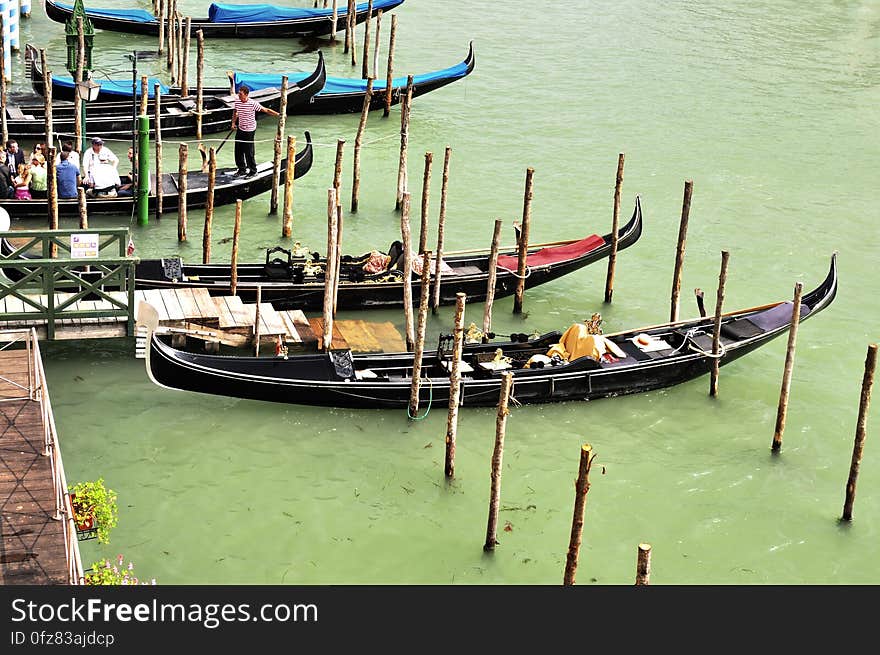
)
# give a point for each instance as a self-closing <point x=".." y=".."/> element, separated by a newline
<point x="258" y="81"/>
<point x="116" y="88"/>
<point x="137" y="15"/>
<point x="265" y="13"/>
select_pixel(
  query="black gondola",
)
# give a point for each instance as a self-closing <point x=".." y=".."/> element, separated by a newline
<point x="339" y="95"/>
<point x="641" y="360"/>
<point x="227" y="189"/>
<point x="115" y="119"/>
<point x="297" y="281"/>
<point x="230" y="20"/>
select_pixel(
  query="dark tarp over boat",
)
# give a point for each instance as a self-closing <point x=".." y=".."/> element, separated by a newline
<point x="297" y="282"/>
<point x="230" y="20"/>
<point x="227" y="189"/>
<point x="545" y="368"/>
<point x="115" y="119"/>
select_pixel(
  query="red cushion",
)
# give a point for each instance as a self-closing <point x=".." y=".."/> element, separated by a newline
<point x="552" y="254"/>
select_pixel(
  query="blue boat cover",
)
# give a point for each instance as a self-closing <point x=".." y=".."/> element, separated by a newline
<point x="344" y="84"/>
<point x="264" y="13"/>
<point x="118" y="88"/>
<point x="135" y="15"/>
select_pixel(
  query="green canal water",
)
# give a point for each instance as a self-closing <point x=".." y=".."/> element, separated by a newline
<point x="771" y="108"/>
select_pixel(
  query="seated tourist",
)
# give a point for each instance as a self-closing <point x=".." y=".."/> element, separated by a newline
<point x="67" y="175"/>
<point x="39" y="175"/>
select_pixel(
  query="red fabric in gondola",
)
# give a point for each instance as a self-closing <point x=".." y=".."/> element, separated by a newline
<point x="554" y="254"/>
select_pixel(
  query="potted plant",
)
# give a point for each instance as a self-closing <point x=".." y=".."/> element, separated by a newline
<point x="94" y="508"/>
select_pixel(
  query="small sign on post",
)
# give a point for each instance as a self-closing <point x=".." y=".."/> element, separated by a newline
<point x="84" y="246"/>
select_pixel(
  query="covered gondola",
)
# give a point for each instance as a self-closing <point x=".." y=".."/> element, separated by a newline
<point x="227" y="189"/>
<point x="294" y="280"/>
<point x="556" y="366"/>
<point x="114" y="119"/>
<point x="230" y="20"/>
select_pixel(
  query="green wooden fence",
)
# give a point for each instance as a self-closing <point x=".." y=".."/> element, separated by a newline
<point x="39" y="272"/>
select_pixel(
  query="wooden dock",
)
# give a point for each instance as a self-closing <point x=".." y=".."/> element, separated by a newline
<point x="213" y="319"/>
<point x="38" y="544"/>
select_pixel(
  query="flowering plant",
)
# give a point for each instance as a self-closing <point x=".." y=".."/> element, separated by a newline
<point x="105" y="572"/>
<point x="94" y="505"/>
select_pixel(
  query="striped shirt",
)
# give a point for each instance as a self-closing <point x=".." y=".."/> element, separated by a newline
<point x="247" y="114"/>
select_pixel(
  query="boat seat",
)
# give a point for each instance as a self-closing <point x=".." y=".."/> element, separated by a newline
<point x="189" y="105"/>
<point x="466" y="270"/>
<point x="17" y="114"/>
<point x="173" y="110"/>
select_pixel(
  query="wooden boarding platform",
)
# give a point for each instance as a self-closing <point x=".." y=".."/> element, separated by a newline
<point x="32" y="547"/>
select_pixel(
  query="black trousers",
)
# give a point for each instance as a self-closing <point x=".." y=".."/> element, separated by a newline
<point x="244" y="150"/>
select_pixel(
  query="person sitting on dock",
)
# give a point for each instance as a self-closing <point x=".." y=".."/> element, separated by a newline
<point x="99" y="170"/>
<point x="67" y="176"/>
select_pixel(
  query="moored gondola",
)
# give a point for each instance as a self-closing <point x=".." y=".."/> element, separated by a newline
<point x="115" y="118"/>
<point x="296" y="280"/>
<point x="227" y="189"/>
<point x="555" y="366"/>
<point x="230" y="20"/>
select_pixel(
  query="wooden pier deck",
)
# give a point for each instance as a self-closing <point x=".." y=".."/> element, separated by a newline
<point x="32" y="542"/>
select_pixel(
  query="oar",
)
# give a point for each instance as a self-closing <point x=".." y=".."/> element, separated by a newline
<point x="217" y="151"/>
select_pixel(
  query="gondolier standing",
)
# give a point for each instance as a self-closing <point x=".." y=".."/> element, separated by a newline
<point x="244" y="121"/>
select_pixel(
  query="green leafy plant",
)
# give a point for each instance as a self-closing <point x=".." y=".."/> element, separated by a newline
<point x="94" y="505"/>
<point x="105" y="572"/>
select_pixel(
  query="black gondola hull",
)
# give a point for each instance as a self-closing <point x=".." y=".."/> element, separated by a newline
<point x="340" y="380"/>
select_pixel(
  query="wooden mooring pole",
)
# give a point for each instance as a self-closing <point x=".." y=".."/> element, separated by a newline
<point x="407" y="270"/>
<point x="257" y="320"/>
<point x="581" y="487"/>
<point x="493" y="272"/>
<point x="782" y="408"/>
<point x="402" y="177"/>
<point x="615" y="224"/>
<point x="47" y="94"/>
<point x="390" y="68"/>
<point x="420" y="335"/>
<point x="169" y="28"/>
<point x="209" y="206"/>
<point x="83" y="208"/>
<point x="236" y="233"/>
<point x="337" y="170"/>
<point x="352" y="21"/>
<point x="454" y="384"/>
<point x="329" y="270"/>
<point x="716" y="330"/>
<point x="145" y="96"/>
<point x="426" y="193"/>
<point x="524" y="243"/>
<point x="441" y="227"/>
<point x="679" y="249"/>
<point x="333" y="21"/>
<point x="358" y="140"/>
<point x="157" y="124"/>
<point x="497" y="457"/>
<point x="348" y="35"/>
<point x="643" y="565"/>
<point x="184" y="66"/>
<point x="365" y="67"/>
<point x="200" y="82"/>
<point x="861" y="426"/>
<point x="183" y="151"/>
<point x="287" y="220"/>
<point x="276" y="161"/>
<point x="160" y="14"/>
<point x="376" y="45"/>
<point x="52" y="187"/>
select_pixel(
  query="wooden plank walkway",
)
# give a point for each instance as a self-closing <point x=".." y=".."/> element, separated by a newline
<point x="31" y="541"/>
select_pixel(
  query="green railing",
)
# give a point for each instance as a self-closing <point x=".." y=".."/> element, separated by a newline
<point x="46" y="283"/>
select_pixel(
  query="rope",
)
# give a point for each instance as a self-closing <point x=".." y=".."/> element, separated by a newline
<point x="430" y="400"/>
<point x="721" y="352"/>
<point x="517" y="275"/>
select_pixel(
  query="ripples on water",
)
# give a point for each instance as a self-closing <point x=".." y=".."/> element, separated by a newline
<point x="772" y="110"/>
